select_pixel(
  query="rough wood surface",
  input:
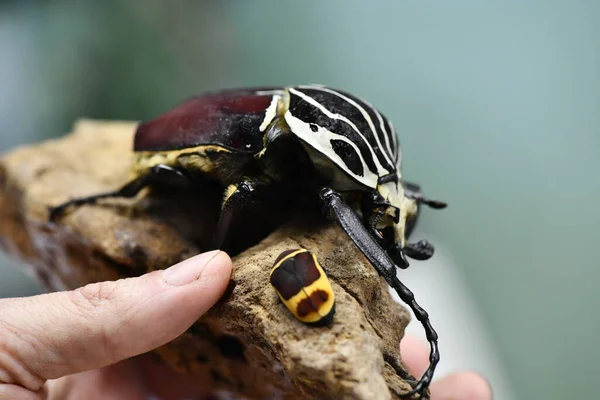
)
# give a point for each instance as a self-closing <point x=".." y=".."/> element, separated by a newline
<point x="249" y="344"/>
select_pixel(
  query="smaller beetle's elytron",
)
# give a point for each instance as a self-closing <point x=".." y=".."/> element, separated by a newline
<point x="302" y="285"/>
<point x="306" y="147"/>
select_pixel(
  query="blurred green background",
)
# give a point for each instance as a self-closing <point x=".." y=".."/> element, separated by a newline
<point x="496" y="105"/>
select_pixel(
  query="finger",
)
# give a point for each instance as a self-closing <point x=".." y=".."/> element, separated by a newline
<point x="53" y="335"/>
<point x="461" y="385"/>
<point x="415" y="355"/>
<point x="15" y="392"/>
<point x="167" y="384"/>
<point x="120" y="381"/>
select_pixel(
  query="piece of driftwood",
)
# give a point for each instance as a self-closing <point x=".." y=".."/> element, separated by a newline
<point x="248" y="344"/>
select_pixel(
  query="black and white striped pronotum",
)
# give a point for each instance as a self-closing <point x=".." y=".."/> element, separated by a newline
<point x="305" y="146"/>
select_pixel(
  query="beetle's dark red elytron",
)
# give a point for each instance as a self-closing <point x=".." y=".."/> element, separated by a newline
<point x="304" y="146"/>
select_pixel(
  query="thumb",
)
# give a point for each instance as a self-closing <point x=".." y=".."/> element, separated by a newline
<point x="464" y="385"/>
<point x="53" y="335"/>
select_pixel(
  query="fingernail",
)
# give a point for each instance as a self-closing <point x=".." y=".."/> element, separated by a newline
<point x="188" y="270"/>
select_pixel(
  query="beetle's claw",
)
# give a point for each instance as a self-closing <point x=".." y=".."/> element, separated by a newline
<point x="398" y="257"/>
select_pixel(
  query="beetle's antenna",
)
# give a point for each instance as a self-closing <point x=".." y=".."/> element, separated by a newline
<point x="413" y="191"/>
<point x="420" y="199"/>
<point x="437" y="204"/>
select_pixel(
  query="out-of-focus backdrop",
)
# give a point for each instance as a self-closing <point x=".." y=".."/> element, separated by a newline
<point x="496" y="105"/>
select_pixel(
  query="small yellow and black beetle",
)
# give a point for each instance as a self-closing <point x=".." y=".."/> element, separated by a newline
<point x="303" y="286"/>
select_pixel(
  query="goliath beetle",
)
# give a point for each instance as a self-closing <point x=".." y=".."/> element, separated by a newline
<point x="302" y="285"/>
<point x="306" y="146"/>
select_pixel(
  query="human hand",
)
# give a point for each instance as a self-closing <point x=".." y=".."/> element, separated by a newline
<point x="48" y="341"/>
<point x="83" y="343"/>
<point x="461" y="385"/>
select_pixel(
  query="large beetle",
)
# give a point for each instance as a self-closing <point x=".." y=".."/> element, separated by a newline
<point x="303" y="145"/>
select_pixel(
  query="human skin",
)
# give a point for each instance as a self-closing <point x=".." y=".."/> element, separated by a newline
<point x="91" y="343"/>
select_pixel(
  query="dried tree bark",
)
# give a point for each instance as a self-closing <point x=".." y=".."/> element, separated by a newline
<point x="248" y="344"/>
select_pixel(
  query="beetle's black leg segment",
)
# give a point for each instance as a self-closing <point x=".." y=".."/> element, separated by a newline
<point x="373" y="209"/>
<point x="374" y="221"/>
<point x="421" y="250"/>
<point x="335" y="207"/>
<point x="235" y="199"/>
<point x="130" y="189"/>
<point x="398" y="256"/>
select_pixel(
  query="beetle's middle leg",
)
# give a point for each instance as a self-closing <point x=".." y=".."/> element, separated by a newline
<point x="130" y="189"/>
<point x="237" y="196"/>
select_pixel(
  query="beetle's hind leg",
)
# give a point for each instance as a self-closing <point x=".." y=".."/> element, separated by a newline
<point x="346" y="217"/>
<point x="130" y="189"/>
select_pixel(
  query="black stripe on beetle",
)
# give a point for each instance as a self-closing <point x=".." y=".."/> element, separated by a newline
<point x="349" y="155"/>
<point x="362" y="116"/>
<point x="314" y="114"/>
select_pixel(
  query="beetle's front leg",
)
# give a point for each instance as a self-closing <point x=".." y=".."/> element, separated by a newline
<point x="421" y="250"/>
<point x="335" y="207"/>
<point x="235" y="199"/>
<point x="373" y="210"/>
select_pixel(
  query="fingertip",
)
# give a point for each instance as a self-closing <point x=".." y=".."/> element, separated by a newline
<point x="467" y="385"/>
<point x="215" y="276"/>
<point x="204" y="292"/>
<point x="220" y="266"/>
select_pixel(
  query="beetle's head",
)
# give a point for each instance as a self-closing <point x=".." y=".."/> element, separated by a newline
<point x="400" y="216"/>
<point x="401" y="209"/>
